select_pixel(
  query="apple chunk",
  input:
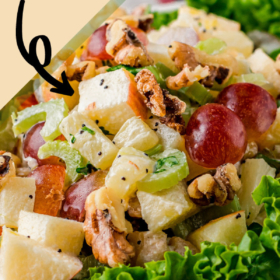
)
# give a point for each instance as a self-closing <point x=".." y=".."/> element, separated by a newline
<point x="49" y="181"/>
<point x="226" y="230"/>
<point x="53" y="232"/>
<point x="111" y="99"/>
<point x="17" y="194"/>
<point x="23" y="258"/>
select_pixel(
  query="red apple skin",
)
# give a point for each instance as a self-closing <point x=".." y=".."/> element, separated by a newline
<point x="49" y="180"/>
<point x="214" y="136"/>
<point x="73" y="206"/>
<point x="254" y="106"/>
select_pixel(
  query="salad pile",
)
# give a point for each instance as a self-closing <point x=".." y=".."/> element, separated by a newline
<point x="164" y="164"/>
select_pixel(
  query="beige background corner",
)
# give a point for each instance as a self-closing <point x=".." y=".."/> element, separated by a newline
<point x="60" y="20"/>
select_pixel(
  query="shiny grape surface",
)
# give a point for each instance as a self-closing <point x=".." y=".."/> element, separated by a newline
<point x="254" y="105"/>
<point x="214" y="136"/>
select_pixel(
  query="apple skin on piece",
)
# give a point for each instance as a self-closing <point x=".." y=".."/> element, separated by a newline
<point x="25" y="259"/>
<point x="111" y="99"/>
<point x="53" y="232"/>
<point x="84" y="135"/>
<point x="49" y="185"/>
<point x="16" y="194"/>
<point x="226" y="230"/>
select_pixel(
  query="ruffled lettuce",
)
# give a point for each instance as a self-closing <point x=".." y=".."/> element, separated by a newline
<point x="255" y="258"/>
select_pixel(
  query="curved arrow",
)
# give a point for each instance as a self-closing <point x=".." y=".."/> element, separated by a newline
<point x="32" y="58"/>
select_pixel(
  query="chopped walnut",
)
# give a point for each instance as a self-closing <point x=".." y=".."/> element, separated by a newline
<point x="134" y="208"/>
<point x="124" y="45"/>
<point x="7" y="167"/>
<point x="218" y="189"/>
<point x="161" y="103"/>
<point x="151" y="246"/>
<point x="251" y="150"/>
<point x="142" y="22"/>
<point x="108" y="242"/>
<point x="196" y="65"/>
<point x="81" y="71"/>
<point x="187" y="77"/>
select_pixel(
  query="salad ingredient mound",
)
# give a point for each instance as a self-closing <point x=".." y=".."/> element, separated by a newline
<point x="162" y="165"/>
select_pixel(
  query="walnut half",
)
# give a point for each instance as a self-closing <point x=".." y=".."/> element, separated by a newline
<point x="124" y="45"/>
<point x="108" y="241"/>
<point x="162" y="104"/>
<point x="219" y="189"/>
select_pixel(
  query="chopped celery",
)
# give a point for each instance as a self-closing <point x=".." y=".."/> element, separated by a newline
<point x="205" y="216"/>
<point x="53" y="112"/>
<point x="212" y="46"/>
<point x="171" y="168"/>
<point x="71" y="157"/>
<point x="155" y="150"/>
<point x="197" y="93"/>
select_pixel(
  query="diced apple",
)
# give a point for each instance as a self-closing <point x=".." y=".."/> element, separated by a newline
<point x="49" y="180"/>
<point x="168" y="137"/>
<point x="111" y="98"/>
<point x="159" y="53"/>
<point x="53" y="232"/>
<point x="104" y="199"/>
<point x="137" y="134"/>
<point x="23" y="258"/>
<point x="225" y="230"/>
<point x="251" y="174"/>
<point x="260" y="62"/>
<point x="94" y="146"/>
<point x="272" y="136"/>
<point x="17" y="194"/>
<point x="163" y="209"/>
<point x="236" y="40"/>
<point x="129" y="167"/>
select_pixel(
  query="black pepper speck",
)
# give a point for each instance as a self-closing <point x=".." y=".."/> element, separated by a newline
<point x="147" y="170"/>
<point x="81" y="132"/>
<point x="139" y="242"/>
<point x="83" y="125"/>
<point x="156" y="124"/>
<point x="100" y="153"/>
<point x="146" y="154"/>
<point x="106" y="87"/>
<point x="155" y="129"/>
<point x="150" y="117"/>
<point x="31" y="196"/>
<point x="238" y="216"/>
<point x="123" y="178"/>
<point x="97" y="121"/>
<point x="119" y="156"/>
<point x="102" y="82"/>
<point x="59" y="251"/>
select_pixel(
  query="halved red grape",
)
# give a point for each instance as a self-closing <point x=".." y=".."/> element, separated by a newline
<point x="254" y="105"/>
<point x="96" y="48"/>
<point x="73" y="206"/>
<point x="33" y="141"/>
<point x="214" y="136"/>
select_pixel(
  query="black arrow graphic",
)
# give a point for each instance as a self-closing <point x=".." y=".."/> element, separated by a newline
<point x="32" y="58"/>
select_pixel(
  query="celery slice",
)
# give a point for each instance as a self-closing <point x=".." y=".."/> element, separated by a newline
<point x="53" y="112"/>
<point x="155" y="150"/>
<point x="171" y="168"/>
<point x="205" y="216"/>
<point x="212" y="46"/>
<point x="72" y="158"/>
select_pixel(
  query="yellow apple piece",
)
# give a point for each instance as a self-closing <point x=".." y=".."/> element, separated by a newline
<point x="129" y="167"/>
<point x="53" y="232"/>
<point x="137" y="134"/>
<point x="111" y="99"/>
<point x="16" y="194"/>
<point x="84" y="135"/>
<point x="163" y="209"/>
<point x="225" y="230"/>
<point x="251" y="174"/>
<point x="25" y="259"/>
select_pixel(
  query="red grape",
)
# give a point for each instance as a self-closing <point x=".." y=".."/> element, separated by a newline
<point x="254" y="105"/>
<point x="73" y="206"/>
<point x="214" y="136"/>
<point x="49" y="180"/>
<point x="33" y="141"/>
<point x="96" y="48"/>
